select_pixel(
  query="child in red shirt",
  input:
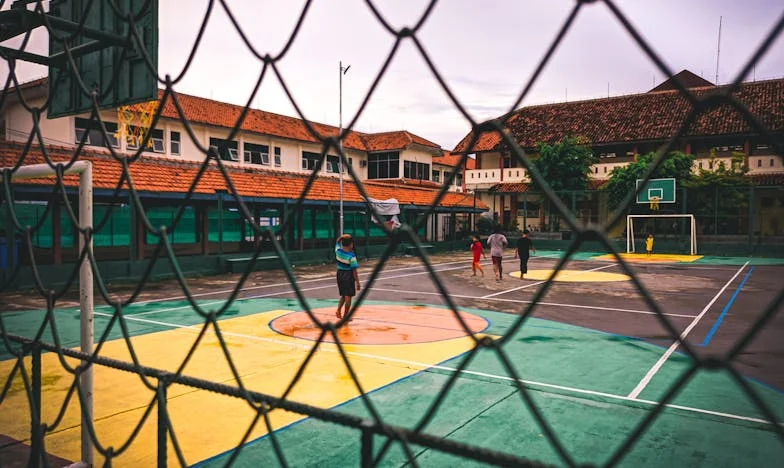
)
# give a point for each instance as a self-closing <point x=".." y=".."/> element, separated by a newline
<point x="477" y="249"/>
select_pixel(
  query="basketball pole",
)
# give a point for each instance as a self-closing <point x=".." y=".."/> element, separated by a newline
<point x="86" y="303"/>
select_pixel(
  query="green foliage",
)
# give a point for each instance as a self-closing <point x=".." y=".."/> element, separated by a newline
<point x="623" y="179"/>
<point x="723" y="176"/>
<point x="565" y="165"/>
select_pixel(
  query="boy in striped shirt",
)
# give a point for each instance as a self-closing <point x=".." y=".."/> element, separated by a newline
<point x="347" y="277"/>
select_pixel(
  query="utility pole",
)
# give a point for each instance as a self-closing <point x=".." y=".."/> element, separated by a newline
<point x="718" y="52"/>
<point x="340" y="137"/>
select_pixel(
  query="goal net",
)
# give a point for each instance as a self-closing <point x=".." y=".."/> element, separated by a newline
<point x="672" y="233"/>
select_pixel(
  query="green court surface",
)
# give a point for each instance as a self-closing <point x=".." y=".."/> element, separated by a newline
<point x="577" y="377"/>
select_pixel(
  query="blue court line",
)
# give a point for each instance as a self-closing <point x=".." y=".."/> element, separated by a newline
<point x="726" y="308"/>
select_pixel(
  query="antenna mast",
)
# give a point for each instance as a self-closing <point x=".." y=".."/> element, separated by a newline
<point x="718" y="51"/>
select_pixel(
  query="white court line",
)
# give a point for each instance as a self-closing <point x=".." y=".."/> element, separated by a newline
<point x="540" y="282"/>
<point x="555" y="304"/>
<point x="291" y="291"/>
<point x="487" y="263"/>
<point x="277" y="284"/>
<point x="425" y="367"/>
<point x="653" y="370"/>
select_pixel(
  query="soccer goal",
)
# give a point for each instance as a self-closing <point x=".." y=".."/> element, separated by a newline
<point x="670" y="230"/>
<point x="86" y="300"/>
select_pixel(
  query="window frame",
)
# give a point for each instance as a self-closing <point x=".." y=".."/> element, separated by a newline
<point x="93" y="129"/>
<point x="256" y="154"/>
<point x="173" y="140"/>
<point x="277" y="156"/>
<point x="309" y="157"/>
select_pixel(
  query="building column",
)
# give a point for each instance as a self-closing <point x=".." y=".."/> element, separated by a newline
<point x="300" y="229"/>
<point x="513" y="208"/>
<point x="746" y="154"/>
<point x="204" y="227"/>
<point x="501" y="166"/>
<point x="687" y="150"/>
<point x="139" y="237"/>
<point x="313" y="233"/>
<point x="57" y="230"/>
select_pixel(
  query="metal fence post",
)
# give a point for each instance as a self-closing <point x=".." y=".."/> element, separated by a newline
<point x="751" y="219"/>
<point x="367" y="444"/>
<point x="35" y="410"/>
<point x="163" y="425"/>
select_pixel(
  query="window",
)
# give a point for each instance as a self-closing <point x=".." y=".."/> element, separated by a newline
<point x="256" y="154"/>
<point x="437" y="176"/>
<point x="94" y="134"/>
<point x="458" y="180"/>
<point x="277" y="156"/>
<point x="415" y="170"/>
<point x="227" y="150"/>
<point x="507" y="162"/>
<point x="384" y="165"/>
<point x="333" y="164"/>
<point x="310" y="160"/>
<point x="772" y="162"/>
<point x="759" y="162"/>
<point x="605" y="169"/>
<point x="596" y="170"/>
<point x="174" y="142"/>
<point x="700" y="164"/>
<point x="155" y="144"/>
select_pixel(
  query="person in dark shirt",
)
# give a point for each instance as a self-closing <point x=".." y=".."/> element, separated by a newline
<point x="524" y="245"/>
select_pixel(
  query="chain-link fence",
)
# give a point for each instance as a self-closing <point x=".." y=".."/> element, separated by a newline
<point x="27" y="352"/>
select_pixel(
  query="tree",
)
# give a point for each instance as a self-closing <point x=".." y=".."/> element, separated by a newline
<point x="716" y="197"/>
<point x="565" y="166"/>
<point x="623" y="179"/>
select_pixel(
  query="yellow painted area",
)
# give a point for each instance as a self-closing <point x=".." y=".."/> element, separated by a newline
<point x="642" y="258"/>
<point x="205" y="423"/>
<point x="573" y="276"/>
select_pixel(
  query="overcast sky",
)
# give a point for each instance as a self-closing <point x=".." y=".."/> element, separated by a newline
<point x="485" y="50"/>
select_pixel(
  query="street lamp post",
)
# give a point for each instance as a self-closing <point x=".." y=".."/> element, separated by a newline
<point x="340" y="137"/>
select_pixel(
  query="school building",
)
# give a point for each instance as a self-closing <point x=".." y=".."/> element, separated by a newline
<point x="622" y="127"/>
<point x="268" y="163"/>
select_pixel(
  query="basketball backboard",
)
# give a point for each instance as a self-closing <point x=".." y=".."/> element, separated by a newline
<point x="105" y="54"/>
<point x="663" y="189"/>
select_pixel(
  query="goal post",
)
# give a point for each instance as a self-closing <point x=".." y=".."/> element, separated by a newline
<point x="86" y="299"/>
<point x="689" y="218"/>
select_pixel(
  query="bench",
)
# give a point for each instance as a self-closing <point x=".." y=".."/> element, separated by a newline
<point x="237" y="265"/>
<point x="410" y="249"/>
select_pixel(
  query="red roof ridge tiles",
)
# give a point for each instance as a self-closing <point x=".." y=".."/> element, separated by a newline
<point x="638" y="117"/>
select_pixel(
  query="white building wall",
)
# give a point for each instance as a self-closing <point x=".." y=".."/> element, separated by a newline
<point x="19" y="125"/>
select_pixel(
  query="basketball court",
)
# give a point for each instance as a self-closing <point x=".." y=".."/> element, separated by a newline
<point x="594" y="358"/>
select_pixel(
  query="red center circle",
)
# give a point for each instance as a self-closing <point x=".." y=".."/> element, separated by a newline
<point x="383" y="325"/>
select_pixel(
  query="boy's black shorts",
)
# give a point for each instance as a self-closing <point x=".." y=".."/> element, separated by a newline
<point x="346" y="283"/>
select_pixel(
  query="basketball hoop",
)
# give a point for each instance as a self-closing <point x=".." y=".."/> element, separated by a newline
<point x="133" y="122"/>
<point x="654" y="201"/>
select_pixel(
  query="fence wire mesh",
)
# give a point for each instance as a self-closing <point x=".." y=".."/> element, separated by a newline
<point x="27" y="351"/>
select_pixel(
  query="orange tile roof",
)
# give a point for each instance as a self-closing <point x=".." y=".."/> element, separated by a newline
<point x="450" y="159"/>
<point x="221" y="114"/>
<point x="652" y="116"/>
<point x="154" y="174"/>
<point x="397" y="140"/>
<point x="686" y="78"/>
